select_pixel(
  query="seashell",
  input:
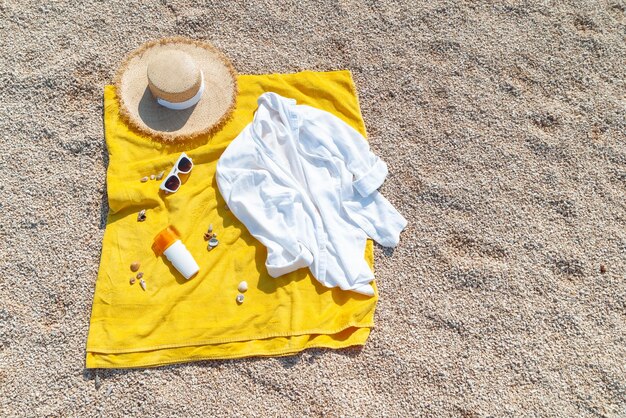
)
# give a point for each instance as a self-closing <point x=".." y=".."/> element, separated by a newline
<point x="602" y="268"/>
<point x="207" y="236"/>
<point x="240" y="298"/>
<point x="97" y="381"/>
<point x="134" y="266"/>
<point x="143" y="284"/>
<point x="213" y="242"/>
<point x="152" y="176"/>
<point x="243" y="286"/>
<point x="139" y="275"/>
<point x="132" y="280"/>
<point x="144" y="179"/>
<point x="141" y="216"/>
<point x="210" y="228"/>
<point x="160" y="175"/>
<point x="214" y="235"/>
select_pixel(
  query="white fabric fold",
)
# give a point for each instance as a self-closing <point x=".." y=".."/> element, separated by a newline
<point x="305" y="184"/>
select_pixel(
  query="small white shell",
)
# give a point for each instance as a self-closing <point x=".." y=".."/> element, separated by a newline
<point x="213" y="242"/>
<point x="240" y="298"/>
<point x="210" y="228"/>
<point x="243" y="286"/>
<point x="143" y="284"/>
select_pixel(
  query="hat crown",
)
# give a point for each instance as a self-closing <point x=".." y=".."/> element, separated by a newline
<point x="173" y="76"/>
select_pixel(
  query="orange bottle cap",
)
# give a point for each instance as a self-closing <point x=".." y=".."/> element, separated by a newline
<point x="164" y="239"/>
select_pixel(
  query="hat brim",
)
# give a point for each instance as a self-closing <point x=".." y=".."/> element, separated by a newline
<point x="139" y="108"/>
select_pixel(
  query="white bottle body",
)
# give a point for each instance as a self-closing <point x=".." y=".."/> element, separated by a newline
<point x="182" y="259"/>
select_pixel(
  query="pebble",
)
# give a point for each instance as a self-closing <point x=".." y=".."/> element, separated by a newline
<point x="139" y="275"/>
<point x="109" y="390"/>
<point x="143" y="284"/>
<point x="160" y="175"/>
<point x="240" y="298"/>
<point x="141" y="216"/>
<point x="243" y="286"/>
<point x="134" y="266"/>
<point x="602" y="268"/>
<point x="152" y="176"/>
<point x="214" y="235"/>
<point x="144" y="179"/>
<point x="213" y="242"/>
<point x="97" y="381"/>
<point x="132" y="280"/>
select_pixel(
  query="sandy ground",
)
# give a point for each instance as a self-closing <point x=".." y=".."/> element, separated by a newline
<point x="504" y="128"/>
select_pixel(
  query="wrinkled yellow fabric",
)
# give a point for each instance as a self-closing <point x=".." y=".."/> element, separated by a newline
<point x="175" y="320"/>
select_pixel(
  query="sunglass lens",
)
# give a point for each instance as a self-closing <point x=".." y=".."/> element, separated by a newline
<point x="172" y="183"/>
<point x="184" y="165"/>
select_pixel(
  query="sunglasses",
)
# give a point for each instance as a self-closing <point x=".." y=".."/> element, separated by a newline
<point x="172" y="182"/>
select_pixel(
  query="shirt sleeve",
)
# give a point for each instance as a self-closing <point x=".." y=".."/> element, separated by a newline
<point x="343" y="141"/>
<point x="270" y="212"/>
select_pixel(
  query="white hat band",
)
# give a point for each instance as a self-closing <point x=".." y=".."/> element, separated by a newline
<point x="187" y="103"/>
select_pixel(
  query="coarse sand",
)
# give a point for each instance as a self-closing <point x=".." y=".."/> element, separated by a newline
<point x="503" y="124"/>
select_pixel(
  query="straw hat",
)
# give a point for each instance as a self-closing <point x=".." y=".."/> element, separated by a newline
<point x="176" y="89"/>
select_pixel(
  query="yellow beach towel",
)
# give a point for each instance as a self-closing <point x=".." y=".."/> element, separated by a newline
<point x="175" y="320"/>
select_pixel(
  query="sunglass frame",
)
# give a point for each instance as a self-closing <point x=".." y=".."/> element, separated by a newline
<point x="174" y="172"/>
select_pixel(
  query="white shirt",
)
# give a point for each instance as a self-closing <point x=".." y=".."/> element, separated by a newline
<point x="304" y="184"/>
